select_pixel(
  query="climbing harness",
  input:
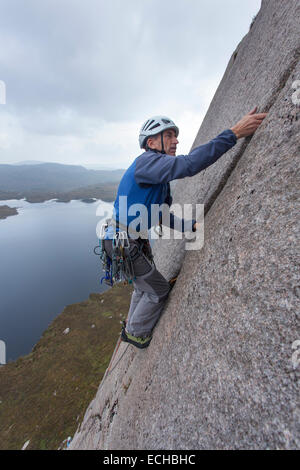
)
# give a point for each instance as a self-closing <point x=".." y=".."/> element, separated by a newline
<point x="120" y="266"/>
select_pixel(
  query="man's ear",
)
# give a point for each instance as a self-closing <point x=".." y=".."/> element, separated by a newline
<point x="150" y="142"/>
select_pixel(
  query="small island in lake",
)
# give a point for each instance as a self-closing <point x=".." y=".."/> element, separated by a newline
<point x="6" y="211"/>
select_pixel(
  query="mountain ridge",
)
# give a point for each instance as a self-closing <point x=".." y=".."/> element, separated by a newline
<point x="52" y="177"/>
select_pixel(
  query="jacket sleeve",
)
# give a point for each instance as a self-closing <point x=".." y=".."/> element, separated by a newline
<point x="182" y="225"/>
<point x="156" y="168"/>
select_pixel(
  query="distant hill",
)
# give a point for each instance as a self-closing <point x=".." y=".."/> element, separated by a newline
<point x="28" y="162"/>
<point x="91" y="166"/>
<point x="49" y="177"/>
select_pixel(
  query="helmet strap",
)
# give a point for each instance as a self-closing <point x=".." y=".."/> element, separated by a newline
<point x="147" y="148"/>
<point x="162" y="143"/>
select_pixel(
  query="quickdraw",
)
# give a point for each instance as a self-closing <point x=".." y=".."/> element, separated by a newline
<point x="120" y="266"/>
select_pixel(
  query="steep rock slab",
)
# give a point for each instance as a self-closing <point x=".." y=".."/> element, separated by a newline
<point x="256" y="72"/>
<point x="219" y="371"/>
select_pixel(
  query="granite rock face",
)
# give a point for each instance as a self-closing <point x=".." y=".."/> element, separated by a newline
<point x="220" y="372"/>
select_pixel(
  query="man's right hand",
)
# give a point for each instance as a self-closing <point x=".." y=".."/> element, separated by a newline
<point x="248" y="124"/>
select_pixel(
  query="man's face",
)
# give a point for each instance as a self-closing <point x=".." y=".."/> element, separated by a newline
<point x="169" y="139"/>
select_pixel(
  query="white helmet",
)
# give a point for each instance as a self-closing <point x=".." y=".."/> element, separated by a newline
<point x="154" y="126"/>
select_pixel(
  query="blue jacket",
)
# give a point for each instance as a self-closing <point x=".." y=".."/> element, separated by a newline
<point x="147" y="179"/>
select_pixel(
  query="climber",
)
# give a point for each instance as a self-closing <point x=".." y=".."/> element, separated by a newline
<point x="146" y="182"/>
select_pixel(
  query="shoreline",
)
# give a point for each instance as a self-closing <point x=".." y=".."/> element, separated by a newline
<point x="87" y="200"/>
<point x="8" y="211"/>
<point x="105" y="192"/>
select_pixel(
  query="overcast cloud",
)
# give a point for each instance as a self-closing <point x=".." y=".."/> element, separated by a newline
<point x="82" y="76"/>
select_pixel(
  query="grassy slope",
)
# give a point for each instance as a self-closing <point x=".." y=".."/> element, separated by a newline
<point x="44" y="395"/>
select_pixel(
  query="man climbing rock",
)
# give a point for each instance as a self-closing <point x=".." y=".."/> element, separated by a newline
<point x="146" y="182"/>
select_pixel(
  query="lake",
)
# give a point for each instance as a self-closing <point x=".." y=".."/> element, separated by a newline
<point x="46" y="262"/>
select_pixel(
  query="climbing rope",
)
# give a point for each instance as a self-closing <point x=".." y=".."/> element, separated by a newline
<point x="109" y="370"/>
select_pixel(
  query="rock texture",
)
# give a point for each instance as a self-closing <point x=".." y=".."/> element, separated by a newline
<point x="219" y="372"/>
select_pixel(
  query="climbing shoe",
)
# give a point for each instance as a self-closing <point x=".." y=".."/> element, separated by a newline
<point x="135" y="340"/>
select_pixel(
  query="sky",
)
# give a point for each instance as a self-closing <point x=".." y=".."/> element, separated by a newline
<point x="81" y="77"/>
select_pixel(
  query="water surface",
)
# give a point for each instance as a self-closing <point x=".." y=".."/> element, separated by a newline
<point x="46" y="263"/>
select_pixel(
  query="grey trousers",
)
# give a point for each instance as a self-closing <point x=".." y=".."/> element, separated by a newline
<point x="150" y="293"/>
